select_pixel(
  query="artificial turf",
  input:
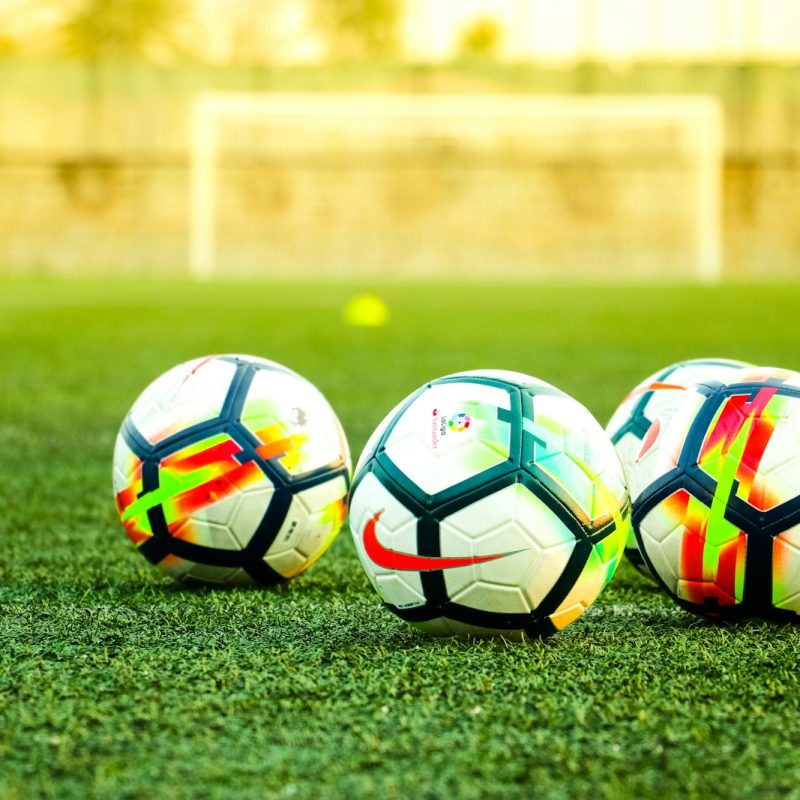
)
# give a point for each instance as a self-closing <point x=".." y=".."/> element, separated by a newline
<point x="116" y="682"/>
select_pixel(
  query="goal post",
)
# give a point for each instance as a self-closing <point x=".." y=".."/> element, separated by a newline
<point x="558" y="128"/>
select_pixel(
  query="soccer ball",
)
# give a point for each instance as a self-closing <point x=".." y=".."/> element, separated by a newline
<point x="489" y="503"/>
<point x="717" y="508"/>
<point x="231" y="470"/>
<point x="655" y="400"/>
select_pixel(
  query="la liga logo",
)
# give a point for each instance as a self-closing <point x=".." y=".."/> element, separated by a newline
<point x="459" y="422"/>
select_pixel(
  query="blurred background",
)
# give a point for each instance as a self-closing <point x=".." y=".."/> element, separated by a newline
<point x="637" y="139"/>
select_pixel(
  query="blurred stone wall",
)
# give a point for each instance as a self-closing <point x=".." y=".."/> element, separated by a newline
<point x="94" y="178"/>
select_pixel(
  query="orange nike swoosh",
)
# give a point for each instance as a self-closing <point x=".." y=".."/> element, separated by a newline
<point x="394" y="559"/>
<point x="654" y="387"/>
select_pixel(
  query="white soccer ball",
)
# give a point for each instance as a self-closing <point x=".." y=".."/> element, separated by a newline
<point x="489" y="503"/>
<point x="653" y="401"/>
<point x="231" y="470"/>
<point x="717" y="511"/>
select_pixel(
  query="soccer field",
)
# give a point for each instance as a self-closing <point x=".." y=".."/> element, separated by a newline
<point x="117" y="682"/>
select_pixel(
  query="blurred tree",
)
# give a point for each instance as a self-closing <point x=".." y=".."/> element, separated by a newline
<point x="28" y="28"/>
<point x="121" y="28"/>
<point x="481" y="38"/>
<point x="8" y="45"/>
<point x="98" y="32"/>
<point x="358" y="28"/>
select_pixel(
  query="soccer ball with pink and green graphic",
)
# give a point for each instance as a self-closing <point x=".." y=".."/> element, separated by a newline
<point x="231" y="470"/>
<point x="489" y="503"/>
<point x="651" y="403"/>
<point x="716" y="513"/>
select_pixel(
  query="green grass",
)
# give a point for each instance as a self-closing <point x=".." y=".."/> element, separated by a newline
<point x="114" y="682"/>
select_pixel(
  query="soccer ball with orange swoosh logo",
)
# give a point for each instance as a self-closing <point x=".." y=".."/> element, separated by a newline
<point x="650" y="404"/>
<point x="716" y="513"/>
<point x="231" y="470"/>
<point x="489" y="503"/>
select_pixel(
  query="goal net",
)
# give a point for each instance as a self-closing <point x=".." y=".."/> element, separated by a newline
<point x="462" y="186"/>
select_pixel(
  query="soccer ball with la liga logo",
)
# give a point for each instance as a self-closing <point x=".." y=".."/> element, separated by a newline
<point x="489" y="503"/>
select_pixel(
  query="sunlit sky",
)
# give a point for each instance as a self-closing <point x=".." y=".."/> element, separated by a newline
<point x="613" y="28"/>
<point x="558" y="30"/>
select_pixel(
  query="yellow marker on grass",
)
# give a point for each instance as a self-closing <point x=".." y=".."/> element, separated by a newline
<point x="366" y="311"/>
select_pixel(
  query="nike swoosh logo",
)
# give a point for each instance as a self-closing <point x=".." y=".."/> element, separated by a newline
<point x="654" y="387"/>
<point x="394" y="559"/>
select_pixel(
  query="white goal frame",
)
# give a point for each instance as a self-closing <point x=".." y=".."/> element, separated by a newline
<point x="701" y="114"/>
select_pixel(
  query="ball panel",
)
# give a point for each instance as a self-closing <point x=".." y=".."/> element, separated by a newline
<point x="186" y="395"/>
<point x="288" y="562"/>
<point x="731" y="431"/>
<point x="537" y="546"/>
<point x="712" y="566"/>
<point x="566" y="614"/>
<point x="218" y="513"/>
<point x="661" y="534"/>
<point x="396" y="529"/>
<point x="601" y="563"/>
<point x="206" y="534"/>
<point x="127" y="467"/>
<point x="571" y="448"/>
<point x="773" y="375"/>
<point x="661" y="452"/>
<point x="257" y="362"/>
<point x="374" y="440"/>
<point x="465" y="629"/>
<point x="451" y="432"/>
<point x="767" y="471"/>
<point x="534" y="386"/>
<point x="786" y="570"/>
<point x="194" y="480"/>
<point x="312" y="522"/>
<point x="239" y="577"/>
<point x="293" y="423"/>
<point x="443" y="626"/>
<point x="710" y="561"/>
<point x="610" y="547"/>
<point x="252" y="504"/>
<point x="187" y="571"/>
<point x="628" y="448"/>
<point x="325" y="506"/>
<point x="775" y="481"/>
<point x="127" y="481"/>
<point x="440" y="626"/>
<point x="489" y="596"/>
<point x="400" y="590"/>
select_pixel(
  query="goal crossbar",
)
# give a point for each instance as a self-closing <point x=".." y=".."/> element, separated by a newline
<point x="701" y="115"/>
